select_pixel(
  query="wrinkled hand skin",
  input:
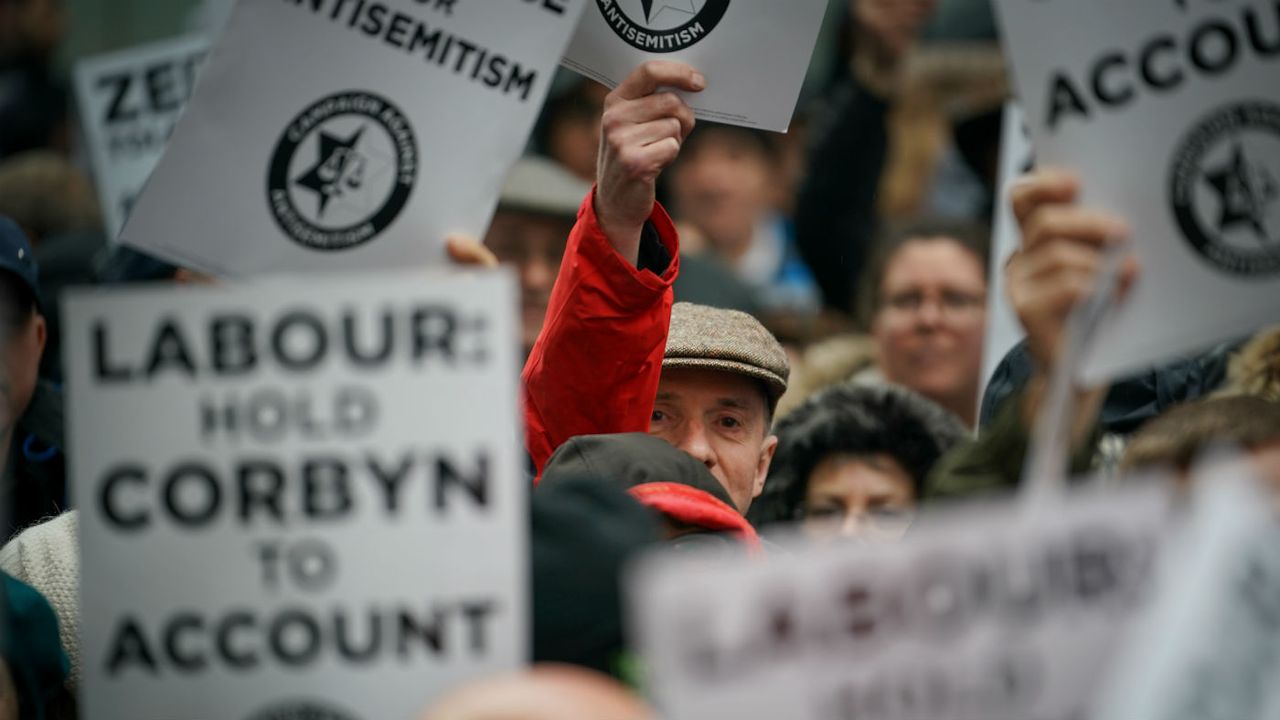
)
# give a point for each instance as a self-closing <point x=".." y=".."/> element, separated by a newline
<point x="642" y="130"/>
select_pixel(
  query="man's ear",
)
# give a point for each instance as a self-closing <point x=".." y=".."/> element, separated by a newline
<point x="762" y="466"/>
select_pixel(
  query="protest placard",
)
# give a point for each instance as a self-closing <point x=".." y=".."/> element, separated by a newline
<point x="129" y="103"/>
<point x="993" y="613"/>
<point x="1016" y="158"/>
<point x="297" y="500"/>
<point x="1210" y="645"/>
<point x="1170" y="113"/>
<point x="334" y="135"/>
<point x="754" y="53"/>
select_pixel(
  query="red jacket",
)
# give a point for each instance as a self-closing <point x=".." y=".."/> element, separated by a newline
<point x="596" y="364"/>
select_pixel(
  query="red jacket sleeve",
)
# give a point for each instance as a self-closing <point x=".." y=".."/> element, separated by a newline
<point x="594" y="368"/>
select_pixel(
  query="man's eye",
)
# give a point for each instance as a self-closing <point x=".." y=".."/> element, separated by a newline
<point x="657" y="416"/>
<point x="730" y="422"/>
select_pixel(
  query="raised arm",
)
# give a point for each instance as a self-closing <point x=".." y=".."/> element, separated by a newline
<point x="595" y="367"/>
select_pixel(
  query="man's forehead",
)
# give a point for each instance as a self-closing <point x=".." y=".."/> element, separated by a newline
<point x="723" y="388"/>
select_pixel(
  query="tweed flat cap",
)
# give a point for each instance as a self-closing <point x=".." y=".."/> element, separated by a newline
<point x="729" y="340"/>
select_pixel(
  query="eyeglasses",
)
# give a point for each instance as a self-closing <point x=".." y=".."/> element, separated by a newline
<point x="875" y="524"/>
<point x="951" y="304"/>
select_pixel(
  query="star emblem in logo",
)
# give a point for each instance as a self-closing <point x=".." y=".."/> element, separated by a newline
<point x="684" y="6"/>
<point x="339" y="168"/>
<point x="1244" y="196"/>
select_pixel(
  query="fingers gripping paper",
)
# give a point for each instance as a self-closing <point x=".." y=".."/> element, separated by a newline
<point x="339" y="135"/>
<point x="1169" y="110"/>
<point x="754" y="53"/>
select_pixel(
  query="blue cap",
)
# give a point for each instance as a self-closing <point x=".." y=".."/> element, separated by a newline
<point x="17" y="257"/>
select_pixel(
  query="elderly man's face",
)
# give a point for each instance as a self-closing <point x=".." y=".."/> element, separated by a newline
<point x="534" y="244"/>
<point x="22" y="338"/>
<point x="721" y="419"/>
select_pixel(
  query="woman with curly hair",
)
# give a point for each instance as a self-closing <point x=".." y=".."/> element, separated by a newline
<point x="852" y="462"/>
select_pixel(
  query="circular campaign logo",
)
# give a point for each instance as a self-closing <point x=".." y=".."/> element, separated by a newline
<point x="303" y="710"/>
<point x="663" y="26"/>
<point x="1224" y="187"/>
<point x="342" y="171"/>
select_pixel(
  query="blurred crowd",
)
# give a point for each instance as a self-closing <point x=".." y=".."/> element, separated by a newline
<point x="794" y="333"/>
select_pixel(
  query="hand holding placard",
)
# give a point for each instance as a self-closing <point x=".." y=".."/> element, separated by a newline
<point x="1061" y="253"/>
<point x="643" y="129"/>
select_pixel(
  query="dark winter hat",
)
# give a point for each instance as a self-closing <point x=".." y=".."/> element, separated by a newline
<point x="728" y="340"/>
<point x="585" y="531"/>
<point x="658" y="474"/>
<point x="16" y="256"/>
<point x="29" y="646"/>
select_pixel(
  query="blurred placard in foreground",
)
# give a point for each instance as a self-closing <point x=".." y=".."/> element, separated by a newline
<point x="334" y="136"/>
<point x="1210" y="646"/>
<point x="1169" y="110"/>
<point x="298" y="499"/>
<point x="754" y="53"/>
<point x="996" y="613"/>
<point x="130" y="101"/>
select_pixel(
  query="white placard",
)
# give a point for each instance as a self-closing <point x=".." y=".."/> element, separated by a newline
<point x="329" y="135"/>
<point x="1004" y="331"/>
<point x="996" y="614"/>
<point x="1169" y="110"/>
<point x="1210" y="646"/>
<point x="298" y="499"/>
<point x="129" y="103"/>
<point x="754" y="53"/>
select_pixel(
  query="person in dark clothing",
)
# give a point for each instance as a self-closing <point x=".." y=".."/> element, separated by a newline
<point x="835" y="216"/>
<point x="34" y="98"/>
<point x="32" y="663"/>
<point x="33" y="483"/>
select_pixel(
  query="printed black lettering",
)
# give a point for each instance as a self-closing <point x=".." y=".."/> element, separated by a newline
<point x="118" y="85"/>
<point x="1213" y="47"/>
<point x="476" y="484"/>
<point x="261" y="485"/>
<point x="199" y="481"/>
<point x="1110" y="92"/>
<point x="1151" y="73"/>
<point x="236" y="656"/>
<point x="173" y="643"/>
<point x="326" y="490"/>
<point x="169" y="351"/>
<point x="295" y="638"/>
<point x="129" y="650"/>
<point x="1064" y="99"/>
<point x="103" y="369"/>
<point x="108" y="497"/>
<point x="231" y="338"/>
<point x="162" y="88"/>
<point x="296" y="329"/>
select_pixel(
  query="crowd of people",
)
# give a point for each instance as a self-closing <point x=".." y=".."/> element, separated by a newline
<point x="727" y="332"/>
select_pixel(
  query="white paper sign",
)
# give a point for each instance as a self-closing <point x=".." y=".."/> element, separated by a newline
<point x="1170" y="112"/>
<point x="298" y="499"/>
<point x="1210" y="647"/>
<point x="991" y="614"/>
<point x="754" y="53"/>
<point x="1004" y="331"/>
<point x="129" y="103"/>
<point x="336" y="135"/>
